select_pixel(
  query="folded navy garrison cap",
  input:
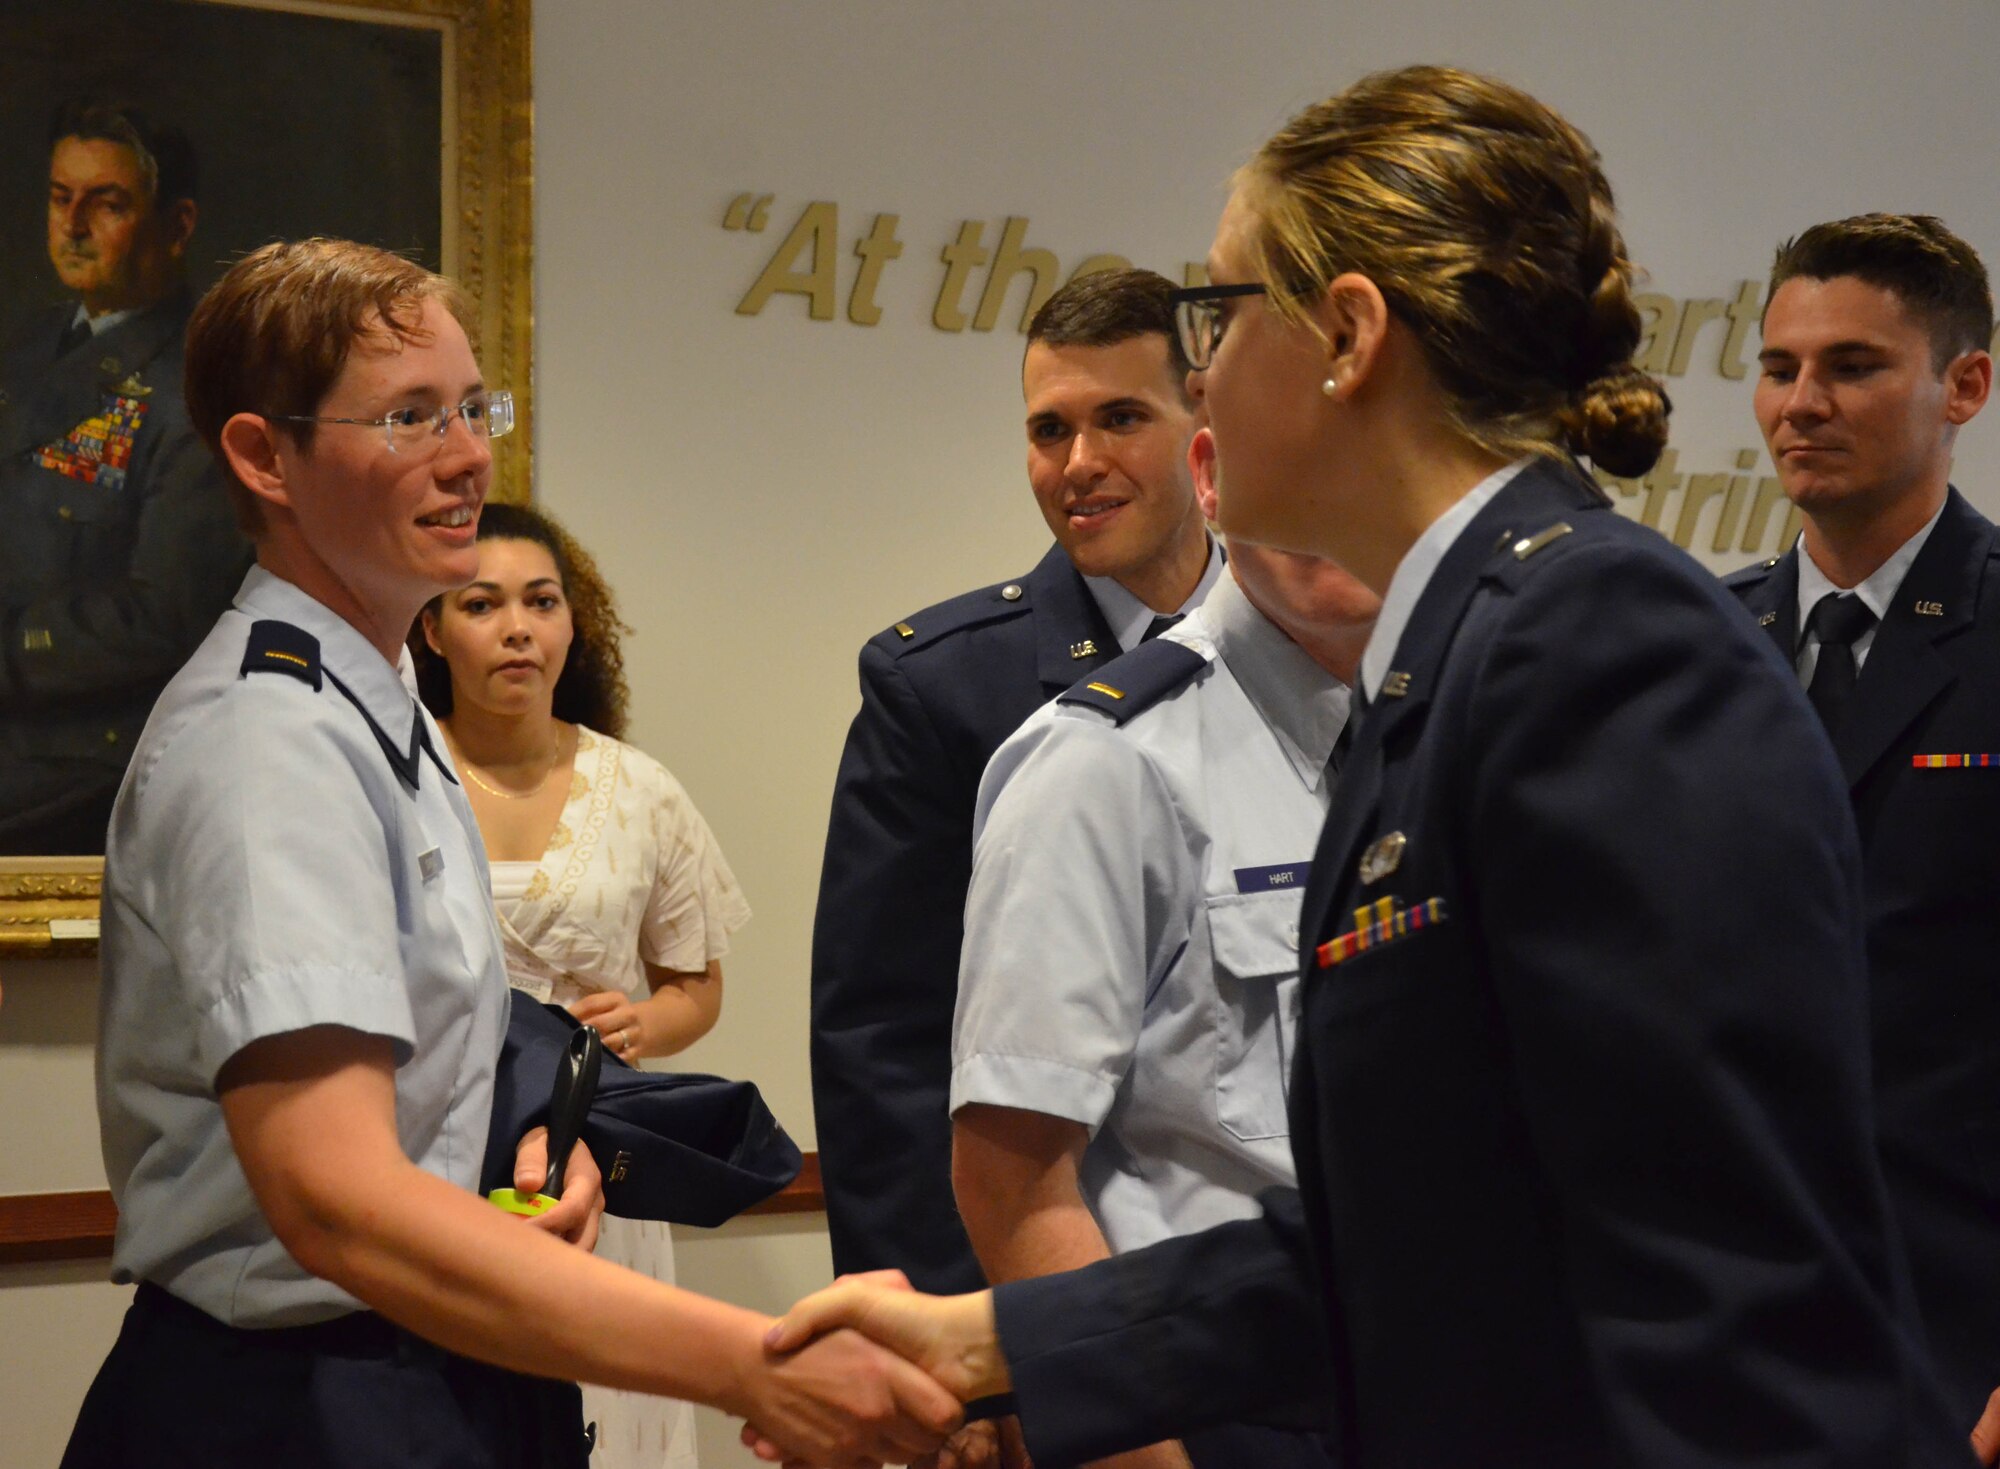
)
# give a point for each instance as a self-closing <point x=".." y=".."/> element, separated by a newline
<point x="681" y="1147"/>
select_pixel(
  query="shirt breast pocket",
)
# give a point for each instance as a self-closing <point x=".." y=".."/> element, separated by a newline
<point x="1254" y="942"/>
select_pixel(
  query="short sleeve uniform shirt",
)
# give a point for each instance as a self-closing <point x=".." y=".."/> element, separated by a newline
<point x="270" y="868"/>
<point x="1131" y="932"/>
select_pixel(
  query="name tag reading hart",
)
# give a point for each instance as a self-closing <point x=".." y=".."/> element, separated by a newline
<point x="1271" y="879"/>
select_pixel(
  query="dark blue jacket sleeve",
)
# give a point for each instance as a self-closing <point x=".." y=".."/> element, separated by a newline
<point x="1217" y="1327"/>
<point x="884" y="980"/>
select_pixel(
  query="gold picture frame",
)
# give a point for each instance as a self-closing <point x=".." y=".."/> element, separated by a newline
<point x="49" y="905"/>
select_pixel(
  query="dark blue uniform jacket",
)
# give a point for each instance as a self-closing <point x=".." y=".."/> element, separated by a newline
<point x="1586" y="1154"/>
<point x="119" y="551"/>
<point x="1930" y="842"/>
<point x="939" y="693"/>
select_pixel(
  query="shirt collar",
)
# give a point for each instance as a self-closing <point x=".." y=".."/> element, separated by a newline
<point x="99" y="325"/>
<point x="1877" y="592"/>
<point x="1304" y="705"/>
<point x="1414" y="572"/>
<point x="374" y="681"/>
<point x="1129" y="618"/>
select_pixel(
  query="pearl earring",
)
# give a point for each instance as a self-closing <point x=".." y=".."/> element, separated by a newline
<point x="1330" y="387"/>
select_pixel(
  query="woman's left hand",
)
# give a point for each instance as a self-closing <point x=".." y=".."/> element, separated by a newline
<point x="613" y="1015"/>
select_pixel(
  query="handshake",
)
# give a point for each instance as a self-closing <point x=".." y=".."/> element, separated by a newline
<point x="868" y="1372"/>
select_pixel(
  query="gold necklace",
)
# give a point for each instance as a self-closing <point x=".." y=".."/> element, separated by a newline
<point x="465" y="768"/>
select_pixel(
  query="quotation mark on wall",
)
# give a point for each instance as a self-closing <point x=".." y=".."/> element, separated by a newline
<point x="748" y="212"/>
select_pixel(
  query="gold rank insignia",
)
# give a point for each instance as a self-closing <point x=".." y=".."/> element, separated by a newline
<point x="904" y="630"/>
<point x="1383" y="857"/>
<point x="1106" y="690"/>
<point x="1084" y="649"/>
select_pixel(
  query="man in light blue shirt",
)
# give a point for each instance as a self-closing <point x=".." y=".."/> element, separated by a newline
<point x="1128" y="988"/>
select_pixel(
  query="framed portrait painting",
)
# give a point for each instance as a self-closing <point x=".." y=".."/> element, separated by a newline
<point x="144" y="146"/>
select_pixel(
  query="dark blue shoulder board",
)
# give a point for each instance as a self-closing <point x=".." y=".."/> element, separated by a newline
<point x="1749" y="576"/>
<point x="278" y="647"/>
<point x="956" y="614"/>
<point x="1136" y="680"/>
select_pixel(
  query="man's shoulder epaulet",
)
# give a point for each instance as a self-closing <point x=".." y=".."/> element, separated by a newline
<point x="1749" y="576"/>
<point x="1136" y="680"/>
<point x="997" y="603"/>
<point x="279" y="647"/>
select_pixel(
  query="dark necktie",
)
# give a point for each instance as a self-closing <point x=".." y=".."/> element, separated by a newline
<point x="1837" y="620"/>
<point x="1159" y="625"/>
<point x="74" y="335"/>
<point x="1343" y="742"/>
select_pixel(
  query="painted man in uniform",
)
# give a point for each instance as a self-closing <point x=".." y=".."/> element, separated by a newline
<point x="121" y="549"/>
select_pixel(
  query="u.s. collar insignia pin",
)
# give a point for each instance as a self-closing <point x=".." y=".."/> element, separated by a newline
<point x="133" y="388"/>
<point x="1395" y="686"/>
<point x="1767" y="619"/>
<point x="1383" y="857"/>
<point x="1084" y="649"/>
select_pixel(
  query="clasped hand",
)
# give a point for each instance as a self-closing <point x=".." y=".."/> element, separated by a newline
<point x="577" y="1213"/>
<point x="945" y="1353"/>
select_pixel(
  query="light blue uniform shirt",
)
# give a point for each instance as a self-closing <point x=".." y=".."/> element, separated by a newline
<point x="1131" y="932"/>
<point x="1128" y="617"/>
<point x="268" y="870"/>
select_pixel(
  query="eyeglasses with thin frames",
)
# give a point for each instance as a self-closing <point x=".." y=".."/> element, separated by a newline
<point x="412" y="430"/>
<point x="1198" y="317"/>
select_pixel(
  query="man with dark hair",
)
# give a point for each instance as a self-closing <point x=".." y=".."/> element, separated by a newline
<point x="1109" y="423"/>
<point x="121" y="549"/>
<point x="1875" y="355"/>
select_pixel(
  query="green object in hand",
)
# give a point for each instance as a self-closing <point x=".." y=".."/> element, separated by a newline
<point x="569" y="1104"/>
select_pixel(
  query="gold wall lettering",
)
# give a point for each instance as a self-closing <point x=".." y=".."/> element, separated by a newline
<point x="987" y="263"/>
<point x="806" y="263"/>
<point x="1740" y="503"/>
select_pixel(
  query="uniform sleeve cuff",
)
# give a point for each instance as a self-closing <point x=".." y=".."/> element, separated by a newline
<point x="277" y="1001"/>
<point x="1032" y="1084"/>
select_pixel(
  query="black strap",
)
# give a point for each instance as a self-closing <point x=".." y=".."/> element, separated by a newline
<point x="405" y="764"/>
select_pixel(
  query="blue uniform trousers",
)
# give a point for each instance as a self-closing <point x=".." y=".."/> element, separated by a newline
<point x="181" y="1390"/>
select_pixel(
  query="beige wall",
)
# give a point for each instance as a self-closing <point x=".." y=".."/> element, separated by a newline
<point x="768" y="491"/>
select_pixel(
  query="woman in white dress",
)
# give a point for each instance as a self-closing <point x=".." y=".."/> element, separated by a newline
<point x="613" y="896"/>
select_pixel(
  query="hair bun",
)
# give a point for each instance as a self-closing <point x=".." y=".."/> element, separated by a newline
<point x="1619" y="421"/>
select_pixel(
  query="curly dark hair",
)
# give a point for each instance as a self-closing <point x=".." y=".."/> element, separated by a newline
<point x="592" y="688"/>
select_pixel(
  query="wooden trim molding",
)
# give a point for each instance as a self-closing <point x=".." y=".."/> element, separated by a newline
<point x="70" y="1226"/>
<point x="81" y="1225"/>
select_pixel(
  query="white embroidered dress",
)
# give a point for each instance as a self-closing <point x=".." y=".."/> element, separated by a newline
<point x="631" y="873"/>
